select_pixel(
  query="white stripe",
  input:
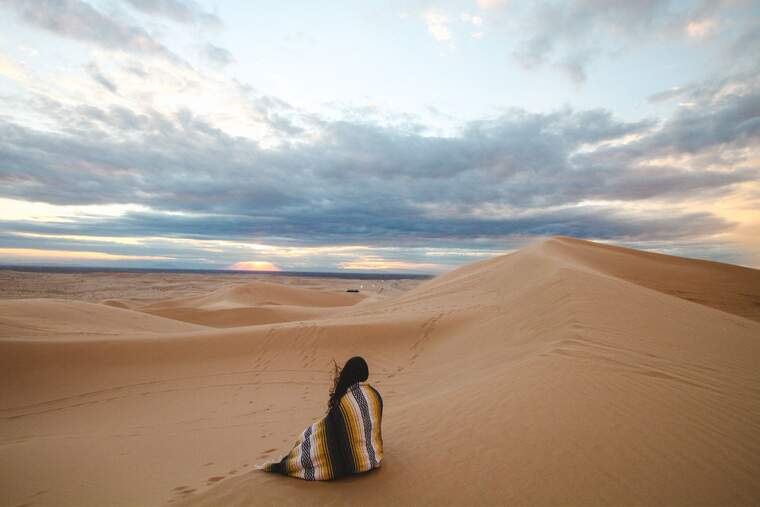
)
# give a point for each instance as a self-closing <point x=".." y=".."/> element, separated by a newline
<point x="373" y="403"/>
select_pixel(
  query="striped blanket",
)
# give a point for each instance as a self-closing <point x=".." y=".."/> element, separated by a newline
<point x="346" y="441"/>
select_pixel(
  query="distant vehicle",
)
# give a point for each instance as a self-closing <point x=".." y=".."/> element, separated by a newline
<point x="352" y="290"/>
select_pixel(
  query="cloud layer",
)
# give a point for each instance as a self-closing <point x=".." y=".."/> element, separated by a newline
<point x="567" y="172"/>
<point x="257" y="169"/>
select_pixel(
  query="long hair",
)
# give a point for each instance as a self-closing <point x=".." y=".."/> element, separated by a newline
<point x="355" y="370"/>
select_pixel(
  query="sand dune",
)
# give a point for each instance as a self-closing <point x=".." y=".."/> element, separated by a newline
<point x="261" y="293"/>
<point x="734" y="289"/>
<point x="61" y="319"/>
<point x="245" y="316"/>
<point x="253" y="304"/>
<point x="567" y="373"/>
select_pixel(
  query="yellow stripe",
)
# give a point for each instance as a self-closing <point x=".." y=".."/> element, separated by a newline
<point x="326" y="465"/>
<point x="350" y="418"/>
<point x="374" y="407"/>
<point x="319" y="455"/>
<point x="291" y="465"/>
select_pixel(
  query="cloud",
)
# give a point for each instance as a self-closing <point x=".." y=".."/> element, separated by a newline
<point x="469" y="18"/>
<point x="377" y="263"/>
<point x="571" y="35"/>
<point x="190" y="171"/>
<point x="78" y="20"/>
<point x="438" y="26"/>
<point x="94" y="71"/>
<point x="490" y="4"/>
<point x="25" y="254"/>
<point x="700" y="29"/>
<point x="747" y="43"/>
<point x="9" y="68"/>
<point x="568" y="33"/>
<point x="574" y="65"/>
<point x="566" y="172"/>
<point x="180" y="11"/>
<point x="217" y="55"/>
<point x="665" y="95"/>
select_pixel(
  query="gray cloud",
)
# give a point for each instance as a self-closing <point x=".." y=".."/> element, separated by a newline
<point x="78" y="20"/>
<point x="567" y="33"/>
<point x="349" y="225"/>
<point x="186" y="11"/>
<point x="99" y="78"/>
<point x="666" y="95"/>
<point x="217" y="55"/>
<point x="747" y="42"/>
<point x="360" y="182"/>
<point x="570" y="35"/>
<point x="722" y="113"/>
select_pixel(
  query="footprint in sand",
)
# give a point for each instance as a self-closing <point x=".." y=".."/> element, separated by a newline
<point x="266" y="453"/>
<point x="216" y="478"/>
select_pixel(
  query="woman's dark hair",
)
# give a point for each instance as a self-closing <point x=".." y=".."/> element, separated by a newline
<point x="355" y="370"/>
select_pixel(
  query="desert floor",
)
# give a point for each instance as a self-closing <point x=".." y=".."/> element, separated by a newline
<point x="566" y="373"/>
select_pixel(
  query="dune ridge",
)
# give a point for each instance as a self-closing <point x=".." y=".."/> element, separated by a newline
<point x="64" y="319"/>
<point x="567" y="372"/>
<point x="252" y="304"/>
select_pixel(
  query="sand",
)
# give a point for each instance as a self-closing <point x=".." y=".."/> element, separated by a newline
<point x="566" y="373"/>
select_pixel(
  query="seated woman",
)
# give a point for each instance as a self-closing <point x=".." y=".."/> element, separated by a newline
<point x="347" y="440"/>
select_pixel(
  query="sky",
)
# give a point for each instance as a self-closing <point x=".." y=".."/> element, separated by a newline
<point x="384" y="136"/>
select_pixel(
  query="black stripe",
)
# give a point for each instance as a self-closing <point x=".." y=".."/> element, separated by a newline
<point x="364" y="408"/>
<point x="338" y="466"/>
<point x="343" y="441"/>
<point x="308" y="466"/>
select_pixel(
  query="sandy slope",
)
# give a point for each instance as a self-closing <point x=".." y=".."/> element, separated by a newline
<point x="565" y="373"/>
<point x="60" y="319"/>
<point x="261" y="293"/>
<point x="252" y="304"/>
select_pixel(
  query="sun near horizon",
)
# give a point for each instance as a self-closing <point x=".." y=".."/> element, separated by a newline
<point x="254" y="266"/>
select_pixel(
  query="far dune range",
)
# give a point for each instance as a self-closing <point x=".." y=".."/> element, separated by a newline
<point x="566" y="373"/>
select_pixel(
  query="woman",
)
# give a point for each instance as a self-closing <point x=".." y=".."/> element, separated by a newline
<point x="348" y="439"/>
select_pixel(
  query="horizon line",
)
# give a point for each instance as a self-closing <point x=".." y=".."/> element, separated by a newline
<point x="328" y="274"/>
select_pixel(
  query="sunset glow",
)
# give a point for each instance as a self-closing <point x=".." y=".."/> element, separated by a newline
<point x="254" y="266"/>
<point x="24" y="254"/>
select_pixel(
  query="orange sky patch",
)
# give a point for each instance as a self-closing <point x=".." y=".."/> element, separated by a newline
<point x="376" y="263"/>
<point x="37" y="253"/>
<point x="255" y="266"/>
